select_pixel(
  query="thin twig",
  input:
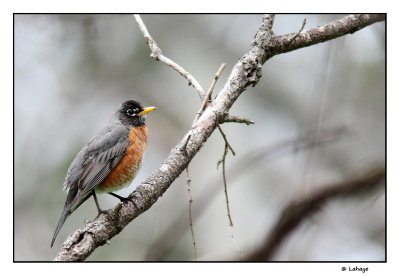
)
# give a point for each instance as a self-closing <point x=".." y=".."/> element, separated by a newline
<point x="224" y="179"/>
<point x="188" y="181"/>
<point x="223" y="161"/>
<point x="216" y="77"/>
<point x="299" y="31"/>
<point x="226" y="140"/>
<point x="207" y="98"/>
<point x="235" y="242"/>
<point x="156" y="53"/>
<point x="236" y="119"/>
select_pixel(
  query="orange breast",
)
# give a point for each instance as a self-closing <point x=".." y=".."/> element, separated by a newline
<point x="123" y="174"/>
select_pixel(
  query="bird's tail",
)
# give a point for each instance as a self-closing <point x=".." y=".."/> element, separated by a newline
<point x="69" y="202"/>
<point x="60" y="224"/>
<point x="74" y="200"/>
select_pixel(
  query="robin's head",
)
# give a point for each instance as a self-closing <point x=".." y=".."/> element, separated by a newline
<point x="132" y="113"/>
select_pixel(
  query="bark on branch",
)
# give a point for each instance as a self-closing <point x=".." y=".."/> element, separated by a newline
<point x="247" y="71"/>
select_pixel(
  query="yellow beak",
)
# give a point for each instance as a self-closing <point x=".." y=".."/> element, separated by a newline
<point x="147" y="110"/>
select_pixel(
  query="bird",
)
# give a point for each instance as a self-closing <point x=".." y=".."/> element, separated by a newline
<point x="109" y="162"/>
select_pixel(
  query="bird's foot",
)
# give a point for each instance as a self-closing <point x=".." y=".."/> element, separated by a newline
<point x="100" y="213"/>
<point x="124" y="199"/>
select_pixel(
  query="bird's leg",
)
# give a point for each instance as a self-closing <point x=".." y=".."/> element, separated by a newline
<point x="97" y="205"/>
<point x="124" y="199"/>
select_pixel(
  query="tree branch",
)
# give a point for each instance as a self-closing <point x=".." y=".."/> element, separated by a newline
<point x="156" y="53"/>
<point x="247" y="71"/>
<point x="297" y="211"/>
<point x="346" y="25"/>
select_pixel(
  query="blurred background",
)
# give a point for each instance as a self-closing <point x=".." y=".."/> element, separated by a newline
<point x="73" y="71"/>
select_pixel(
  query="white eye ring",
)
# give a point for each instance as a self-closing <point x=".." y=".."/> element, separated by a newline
<point x="131" y="112"/>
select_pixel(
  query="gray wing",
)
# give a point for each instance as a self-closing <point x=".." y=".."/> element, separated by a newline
<point x="102" y="156"/>
<point x="95" y="161"/>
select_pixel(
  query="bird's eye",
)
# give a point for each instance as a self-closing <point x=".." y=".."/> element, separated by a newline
<point x="130" y="112"/>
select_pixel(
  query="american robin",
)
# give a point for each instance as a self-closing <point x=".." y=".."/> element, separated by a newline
<point x="109" y="161"/>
